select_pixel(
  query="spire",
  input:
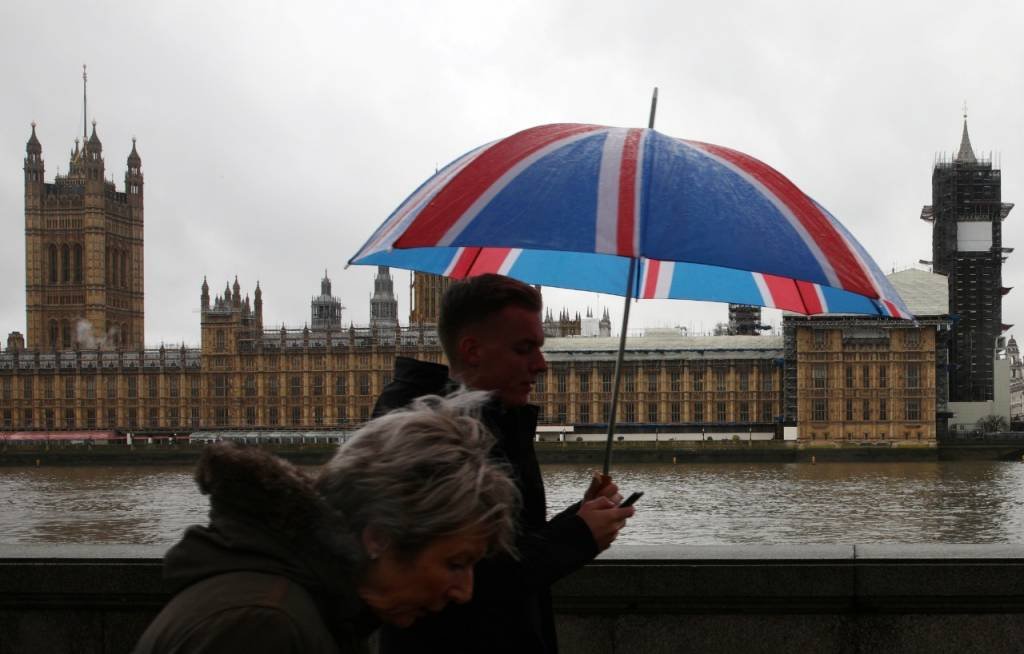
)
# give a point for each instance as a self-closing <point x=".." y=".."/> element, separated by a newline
<point x="33" y="146"/>
<point x="85" y="105"/>
<point x="325" y="284"/>
<point x="94" y="140"/>
<point x="966" y="153"/>
<point x="134" y="160"/>
<point x="204" y="296"/>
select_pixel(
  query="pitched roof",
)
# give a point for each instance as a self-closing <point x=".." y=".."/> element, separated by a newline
<point x="926" y="294"/>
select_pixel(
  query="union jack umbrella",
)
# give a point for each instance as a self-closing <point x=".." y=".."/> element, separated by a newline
<point x="577" y="206"/>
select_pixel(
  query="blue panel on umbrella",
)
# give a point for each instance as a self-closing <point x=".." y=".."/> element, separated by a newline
<point x="715" y="284"/>
<point x="550" y="205"/>
<point x="600" y="273"/>
<point x="431" y="260"/>
<point x="838" y="301"/>
<point x="701" y="211"/>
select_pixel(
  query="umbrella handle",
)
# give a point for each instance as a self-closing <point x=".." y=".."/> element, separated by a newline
<point x="618" y="366"/>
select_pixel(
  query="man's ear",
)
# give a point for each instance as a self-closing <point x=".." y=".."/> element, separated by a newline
<point x="469" y="350"/>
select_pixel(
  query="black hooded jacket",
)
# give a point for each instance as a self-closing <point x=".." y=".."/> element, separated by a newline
<point x="274" y="571"/>
<point x="511" y="606"/>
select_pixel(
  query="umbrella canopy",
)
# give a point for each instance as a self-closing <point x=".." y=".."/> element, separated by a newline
<point x="569" y="205"/>
<point x="578" y="206"/>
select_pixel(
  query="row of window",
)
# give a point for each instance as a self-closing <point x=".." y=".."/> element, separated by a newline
<point x="820" y="410"/>
<point x="65" y="265"/>
<point x="65" y="331"/>
<point x="912" y="376"/>
<point x="219" y="386"/>
<point x="651" y="381"/>
<point x="695" y="412"/>
<point x="174" y="417"/>
<point x="911" y="338"/>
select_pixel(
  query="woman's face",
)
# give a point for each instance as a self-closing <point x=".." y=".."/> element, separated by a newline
<point x="399" y="591"/>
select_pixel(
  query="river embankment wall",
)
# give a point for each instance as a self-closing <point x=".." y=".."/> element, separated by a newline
<point x="556" y="452"/>
<point x="637" y="599"/>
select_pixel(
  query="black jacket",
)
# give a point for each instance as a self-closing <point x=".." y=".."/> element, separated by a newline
<point x="511" y="606"/>
<point x="274" y="571"/>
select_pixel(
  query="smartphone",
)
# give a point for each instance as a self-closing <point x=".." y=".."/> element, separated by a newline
<point x="629" y="501"/>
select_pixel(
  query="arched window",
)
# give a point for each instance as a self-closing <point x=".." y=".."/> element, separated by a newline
<point x="53" y="331"/>
<point x="65" y="264"/>
<point x="65" y="334"/>
<point x="53" y="265"/>
<point x="78" y="263"/>
<point x="124" y="270"/>
<point x="125" y="334"/>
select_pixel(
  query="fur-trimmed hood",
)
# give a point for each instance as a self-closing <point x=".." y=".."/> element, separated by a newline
<point x="266" y="516"/>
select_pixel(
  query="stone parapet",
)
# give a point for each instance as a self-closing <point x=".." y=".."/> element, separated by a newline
<point x="812" y="598"/>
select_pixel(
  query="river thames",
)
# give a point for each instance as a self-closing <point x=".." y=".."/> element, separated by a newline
<point x="703" y="504"/>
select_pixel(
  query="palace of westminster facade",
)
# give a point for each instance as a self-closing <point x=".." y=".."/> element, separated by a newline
<point x="83" y="364"/>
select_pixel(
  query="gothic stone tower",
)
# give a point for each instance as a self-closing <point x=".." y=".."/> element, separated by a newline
<point x="427" y="290"/>
<point x="383" y="305"/>
<point x="83" y="252"/>
<point x="325" y="309"/>
<point x="966" y="215"/>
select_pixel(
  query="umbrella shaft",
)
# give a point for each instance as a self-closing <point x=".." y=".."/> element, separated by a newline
<point x="618" y="366"/>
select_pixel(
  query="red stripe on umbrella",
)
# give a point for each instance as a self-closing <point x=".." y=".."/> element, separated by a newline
<point x="849" y="271"/>
<point x="784" y="293"/>
<point x="810" y="298"/>
<point x="625" y="241"/>
<point x="452" y="201"/>
<point x="490" y="261"/>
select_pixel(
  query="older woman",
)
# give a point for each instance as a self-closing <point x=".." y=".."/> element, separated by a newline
<point x="388" y="531"/>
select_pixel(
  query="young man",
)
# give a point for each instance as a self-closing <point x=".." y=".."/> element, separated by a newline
<point x="490" y="330"/>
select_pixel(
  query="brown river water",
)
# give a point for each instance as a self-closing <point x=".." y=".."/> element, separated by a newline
<point x="701" y="504"/>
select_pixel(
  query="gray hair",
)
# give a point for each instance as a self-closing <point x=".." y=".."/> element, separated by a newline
<point x="424" y="472"/>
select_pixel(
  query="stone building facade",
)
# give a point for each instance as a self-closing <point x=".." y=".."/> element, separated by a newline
<point x="858" y="378"/>
<point x="674" y="384"/>
<point x="242" y="377"/>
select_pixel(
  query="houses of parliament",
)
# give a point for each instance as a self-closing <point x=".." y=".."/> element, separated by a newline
<point x="83" y="364"/>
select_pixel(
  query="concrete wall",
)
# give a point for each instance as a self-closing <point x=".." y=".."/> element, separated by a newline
<point x="861" y="598"/>
<point x="967" y="414"/>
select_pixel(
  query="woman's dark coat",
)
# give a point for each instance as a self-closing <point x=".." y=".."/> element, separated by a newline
<point x="274" y="571"/>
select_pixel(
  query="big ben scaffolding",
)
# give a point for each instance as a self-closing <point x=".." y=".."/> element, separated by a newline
<point x="966" y="215"/>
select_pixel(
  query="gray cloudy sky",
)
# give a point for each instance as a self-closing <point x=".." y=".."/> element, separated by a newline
<point x="276" y="135"/>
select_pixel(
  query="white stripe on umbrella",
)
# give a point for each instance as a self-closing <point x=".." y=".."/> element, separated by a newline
<point x="663" y="286"/>
<point x="820" y="292"/>
<point x="762" y="288"/>
<point x="510" y="260"/>
<point x="606" y="225"/>
<point x="499" y="185"/>
<point x="808" y="240"/>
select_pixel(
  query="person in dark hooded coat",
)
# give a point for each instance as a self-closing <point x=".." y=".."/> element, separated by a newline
<point x="295" y="563"/>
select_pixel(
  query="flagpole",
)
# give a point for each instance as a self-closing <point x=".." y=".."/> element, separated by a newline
<point x="630" y="284"/>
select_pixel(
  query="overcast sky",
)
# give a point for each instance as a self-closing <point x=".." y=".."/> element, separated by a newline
<point x="275" y="136"/>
